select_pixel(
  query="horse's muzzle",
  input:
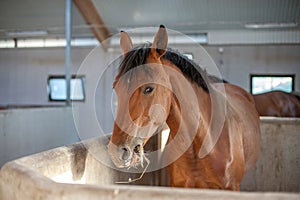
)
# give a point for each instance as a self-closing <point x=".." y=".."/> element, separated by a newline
<point x="126" y="156"/>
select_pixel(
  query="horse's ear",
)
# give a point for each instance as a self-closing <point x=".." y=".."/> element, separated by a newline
<point x="160" y="42"/>
<point x="125" y="42"/>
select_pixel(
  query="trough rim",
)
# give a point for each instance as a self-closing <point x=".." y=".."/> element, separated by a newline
<point x="28" y="183"/>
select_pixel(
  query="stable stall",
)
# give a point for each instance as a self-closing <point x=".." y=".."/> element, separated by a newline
<point x="80" y="171"/>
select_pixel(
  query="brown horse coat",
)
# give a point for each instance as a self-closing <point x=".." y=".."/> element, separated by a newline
<point x="235" y="151"/>
<point x="277" y="104"/>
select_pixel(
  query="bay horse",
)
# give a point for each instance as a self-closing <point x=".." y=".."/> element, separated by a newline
<point x="211" y="144"/>
<point x="277" y="104"/>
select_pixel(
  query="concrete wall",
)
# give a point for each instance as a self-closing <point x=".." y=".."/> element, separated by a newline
<point x="28" y="131"/>
<point x="44" y="176"/>
<point x="279" y="162"/>
<point x="276" y="170"/>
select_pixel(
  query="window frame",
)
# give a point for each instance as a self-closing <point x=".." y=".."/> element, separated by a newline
<point x="82" y="77"/>
<point x="272" y="75"/>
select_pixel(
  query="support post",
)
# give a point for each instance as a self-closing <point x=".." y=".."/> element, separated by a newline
<point x="68" y="32"/>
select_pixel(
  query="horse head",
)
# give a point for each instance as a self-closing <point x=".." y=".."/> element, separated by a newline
<point x="144" y="95"/>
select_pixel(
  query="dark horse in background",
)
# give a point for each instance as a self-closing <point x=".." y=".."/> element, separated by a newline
<point x="277" y="104"/>
<point x="214" y="127"/>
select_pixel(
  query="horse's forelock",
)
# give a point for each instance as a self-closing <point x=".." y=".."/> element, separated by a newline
<point x="134" y="58"/>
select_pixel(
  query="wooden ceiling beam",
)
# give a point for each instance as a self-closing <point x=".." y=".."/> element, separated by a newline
<point x="93" y="19"/>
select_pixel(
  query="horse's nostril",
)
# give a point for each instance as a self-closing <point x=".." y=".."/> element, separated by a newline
<point x="137" y="149"/>
<point x="126" y="153"/>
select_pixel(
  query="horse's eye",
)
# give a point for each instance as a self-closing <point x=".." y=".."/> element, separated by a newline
<point x="148" y="90"/>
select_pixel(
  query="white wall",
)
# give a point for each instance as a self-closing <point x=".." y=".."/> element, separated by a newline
<point x="24" y="72"/>
<point x="31" y="130"/>
<point x="241" y="61"/>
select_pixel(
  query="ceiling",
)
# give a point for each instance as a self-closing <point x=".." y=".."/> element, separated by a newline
<point x="31" y="15"/>
<point x="186" y="16"/>
<point x="197" y="15"/>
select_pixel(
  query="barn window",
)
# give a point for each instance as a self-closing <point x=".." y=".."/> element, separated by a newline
<point x="264" y="83"/>
<point x="57" y="90"/>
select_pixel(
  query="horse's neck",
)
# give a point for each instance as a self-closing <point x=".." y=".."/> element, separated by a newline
<point x="190" y="108"/>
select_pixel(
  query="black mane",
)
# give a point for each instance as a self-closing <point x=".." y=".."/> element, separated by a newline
<point x="138" y="56"/>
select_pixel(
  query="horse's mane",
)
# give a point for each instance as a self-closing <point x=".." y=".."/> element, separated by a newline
<point x="138" y="56"/>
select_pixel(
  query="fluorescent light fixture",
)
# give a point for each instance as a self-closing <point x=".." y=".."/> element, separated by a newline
<point x="7" y="44"/>
<point x="29" y="43"/>
<point x="54" y="42"/>
<point x="271" y="25"/>
<point x="84" y="42"/>
<point x="47" y="42"/>
<point x="26" y="33"/>
<point x="200" y="38"/>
